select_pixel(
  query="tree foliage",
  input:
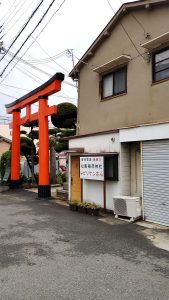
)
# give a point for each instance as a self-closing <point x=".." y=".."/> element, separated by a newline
<point x="66" y="116"/>
<point x="61" y="146"/>
<point x="31" y="124"/>
<point x="33" y="134"/>
<point x="26" y="146"/>
<point x="65" y="121"/>
<point x="5" y="160"/>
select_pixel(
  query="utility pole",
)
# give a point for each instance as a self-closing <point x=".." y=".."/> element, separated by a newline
<point x="70" y="54"/>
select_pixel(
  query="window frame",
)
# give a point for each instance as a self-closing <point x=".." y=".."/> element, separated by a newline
<point x="112" y="73"/>
<point x="154" y="65"/>
<point x="115" y="158"/>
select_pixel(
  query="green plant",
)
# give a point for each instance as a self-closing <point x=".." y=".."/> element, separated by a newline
<point x="92" y="205"/>
<point x="23" y="178"/>
<point x="4" y="162"/>
<point x="59" y="147"/>
<point x="64" y="177"/>
<point x="81" y="204"/>
<point x="59" y="178"/>
<point x="66" y="116"/>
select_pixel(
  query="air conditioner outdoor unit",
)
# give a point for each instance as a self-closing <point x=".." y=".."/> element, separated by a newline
<point x="127" y="206"/>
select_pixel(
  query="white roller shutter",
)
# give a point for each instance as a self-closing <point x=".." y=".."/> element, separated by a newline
<point x="156" y="181"/>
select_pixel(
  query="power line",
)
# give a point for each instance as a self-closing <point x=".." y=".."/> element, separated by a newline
<point x="135" y="18"/>
<point x="19" y="88"/>
<point x="27" y="73"/>
<point x="15" y="21"/>
<point x="8" y="11"/>
<point x="49" y="55"/>
<point x="23" y="28"/>
<point x="7" y="95"/>
<point x="46" y="60"/>
<point x="43" y="71"/>
<point x="38" y="80"/>
<point x="15" y="87"/>
<point x="37" y="25"/>
<point x="126" y="32"/>
<point x="6" y="22"/>
<point x="36" y="38"/>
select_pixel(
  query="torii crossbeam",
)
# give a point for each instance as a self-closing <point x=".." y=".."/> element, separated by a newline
<point x="39" y="95"/>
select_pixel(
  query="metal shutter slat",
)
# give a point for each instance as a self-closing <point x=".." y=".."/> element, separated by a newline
<point x="156" y="181"/>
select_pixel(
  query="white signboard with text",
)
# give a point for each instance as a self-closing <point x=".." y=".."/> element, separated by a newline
<point x="92" y="167"/>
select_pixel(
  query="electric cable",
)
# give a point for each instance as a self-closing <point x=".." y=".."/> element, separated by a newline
<point x="34" y="60"/>
<point x="7" y="95"/>
<point x="16" y="21"/>
<point x="22" y="29"/>
<point x="134" y="17"/>
<point x="37" y="25"/>
<point x="6" y="22"/>
<point x="49" y="55"/>
<point x="36" y="39"/>
<point x="8" y="10"/>
<point x="46" y="60"/>
<point x="19" y="88"/>
<point x="127" y="33"/>
<point x="44" y="72"/>
<point x="28" y="74"/>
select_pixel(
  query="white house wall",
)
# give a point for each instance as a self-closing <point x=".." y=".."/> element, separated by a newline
<point x="125" y="167"/>
<point x="144" y="133"/>
<point x="93" y="190"/>
<point x="98" y="143"/>
<point x="113" y="188"/>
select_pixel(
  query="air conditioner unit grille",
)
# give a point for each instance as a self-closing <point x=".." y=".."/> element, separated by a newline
<point x="120" y="207"/>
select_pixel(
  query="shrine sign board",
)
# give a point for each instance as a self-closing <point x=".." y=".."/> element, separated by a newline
<point x="92" y="167"/>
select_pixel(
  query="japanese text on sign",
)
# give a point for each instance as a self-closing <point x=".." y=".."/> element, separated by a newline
<point x="92" y="167"/>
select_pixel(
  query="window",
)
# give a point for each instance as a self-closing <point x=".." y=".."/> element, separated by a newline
<point x="114" y="83"/>
<point x="111" y="167"/>
<point x="161" y="65"/>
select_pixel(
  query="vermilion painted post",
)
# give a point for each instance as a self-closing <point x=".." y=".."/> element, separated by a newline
<point x="15" y="159"/>
<point x="44" y="179"/>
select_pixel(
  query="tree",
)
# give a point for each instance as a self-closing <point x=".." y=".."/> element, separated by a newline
<point x="28" y="147"/>
<point x="66" y="116"/>
<point x="65" y="121"/>
<point x="52" y="160"/>
<point x="4" y="162"/>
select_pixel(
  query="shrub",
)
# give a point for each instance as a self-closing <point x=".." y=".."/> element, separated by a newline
<point x="66" y="116"/>
<point x="4" y="162"/>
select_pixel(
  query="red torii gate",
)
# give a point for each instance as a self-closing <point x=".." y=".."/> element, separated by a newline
<point x="40" y="94"/>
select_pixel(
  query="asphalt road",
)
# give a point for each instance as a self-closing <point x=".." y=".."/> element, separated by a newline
<point x="49" y="252"/>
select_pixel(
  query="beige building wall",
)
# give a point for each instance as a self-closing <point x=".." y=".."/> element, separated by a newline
<point x="144" y="103"/>
<point x="4" y="146"/>
<point x="7" y="132"/>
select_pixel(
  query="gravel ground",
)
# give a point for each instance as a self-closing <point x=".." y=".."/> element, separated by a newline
<point x="49" y="252"/>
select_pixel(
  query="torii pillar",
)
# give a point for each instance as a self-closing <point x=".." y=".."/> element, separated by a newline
<point x="38" y="95"/>
<point x="44" y="178"/>
<point x="15" y="159"/>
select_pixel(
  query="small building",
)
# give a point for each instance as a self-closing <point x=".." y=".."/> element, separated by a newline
<point x="122" y="142"/>
<point x="5" y="144"/>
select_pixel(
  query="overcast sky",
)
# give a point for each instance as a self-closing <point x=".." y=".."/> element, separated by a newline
<point x="75" y="26"/>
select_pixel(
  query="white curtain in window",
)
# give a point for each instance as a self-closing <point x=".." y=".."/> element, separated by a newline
<point x="108" y="86"/>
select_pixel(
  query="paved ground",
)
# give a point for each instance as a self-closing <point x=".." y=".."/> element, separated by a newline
<point x="49" y="252"/>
